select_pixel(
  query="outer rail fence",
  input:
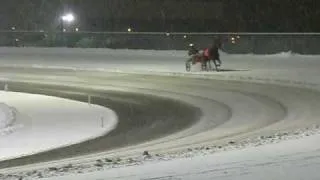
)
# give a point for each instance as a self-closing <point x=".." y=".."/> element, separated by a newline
<point x="233" y="42"/>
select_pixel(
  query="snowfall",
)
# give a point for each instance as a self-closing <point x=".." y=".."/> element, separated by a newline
<point x="28" y="127"/>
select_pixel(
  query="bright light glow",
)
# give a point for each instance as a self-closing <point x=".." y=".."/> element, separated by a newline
<point x="17" y="40"/>
<point x="185" y="36"/>
<point x="68" y="18"/>
<point x="167" y="34"/>
<point x="191" y="44"/>
<point x="13" y="28"/>
<point x="232" y="38"/>
<point x="64" y="30"/>
<point x="238" y="37"/>
<point x="77" y="29"/>
<point x="129" y="29"/>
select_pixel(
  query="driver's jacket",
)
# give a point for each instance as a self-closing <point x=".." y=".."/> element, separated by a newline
<point x="193" y="51"/>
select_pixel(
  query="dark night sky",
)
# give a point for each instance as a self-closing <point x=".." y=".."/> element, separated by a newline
<point x="166" y="15"/>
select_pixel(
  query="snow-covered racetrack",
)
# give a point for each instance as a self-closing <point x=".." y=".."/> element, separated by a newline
<point x="270" y="95"/>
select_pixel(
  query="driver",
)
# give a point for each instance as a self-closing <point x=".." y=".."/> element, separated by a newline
<point x="193" y="52"/>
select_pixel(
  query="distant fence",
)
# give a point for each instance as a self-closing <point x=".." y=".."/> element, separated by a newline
<point x="256" y="43"/>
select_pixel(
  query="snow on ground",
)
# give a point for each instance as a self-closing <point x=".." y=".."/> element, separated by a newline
<point x="48" y="122"/>
<point x="280" y="68"/>
<point x="292" y="159"/>
<point x="7" y="118"/>
<point x="228" y="161"/>
<point x="143" y="60"/>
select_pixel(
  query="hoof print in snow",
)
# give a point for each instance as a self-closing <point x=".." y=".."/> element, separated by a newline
<point x="117" y="161"/>
<point x="99" y="163"/>
<point x="145" y="153"/>
<point x="39" y="175"/>
<point x="232" y="142"/>
<point x="130" y="160"/>
<point x="53" y="169"/>
<point x="219" y="147"/>
<point x="147" y="157"/>
<point x="261" y="137"/>
<point x="207" y="148"/>
<point x="31" y="173"/>
<point x="66" y="167"/>
<point x="189" y="149"/>
<point x="108" y="160"/>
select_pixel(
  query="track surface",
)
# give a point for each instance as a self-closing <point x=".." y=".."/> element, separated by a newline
<point x="218" y="110"/>
<point x="134" y="116"/>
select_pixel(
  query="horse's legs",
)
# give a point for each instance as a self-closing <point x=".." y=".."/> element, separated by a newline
<point x="216" y="65"/>
<point x="210" y="67"/>
<point x="203" y="63"/>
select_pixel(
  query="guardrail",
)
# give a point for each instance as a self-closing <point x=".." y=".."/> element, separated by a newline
<point x="233" y="42"/>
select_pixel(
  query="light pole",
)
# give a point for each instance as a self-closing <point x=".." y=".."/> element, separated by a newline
<point x="67" y="18"/>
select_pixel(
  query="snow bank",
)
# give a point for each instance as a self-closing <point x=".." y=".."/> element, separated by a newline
<point x="7" y="120"/>
<point x="46" y="123"/>
<point x="294" y="159"/>
<point x="6" y="116"/>
<point x="262" y="152"/>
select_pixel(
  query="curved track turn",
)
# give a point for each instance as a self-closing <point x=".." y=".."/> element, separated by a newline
<point x="167" y="113"/>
